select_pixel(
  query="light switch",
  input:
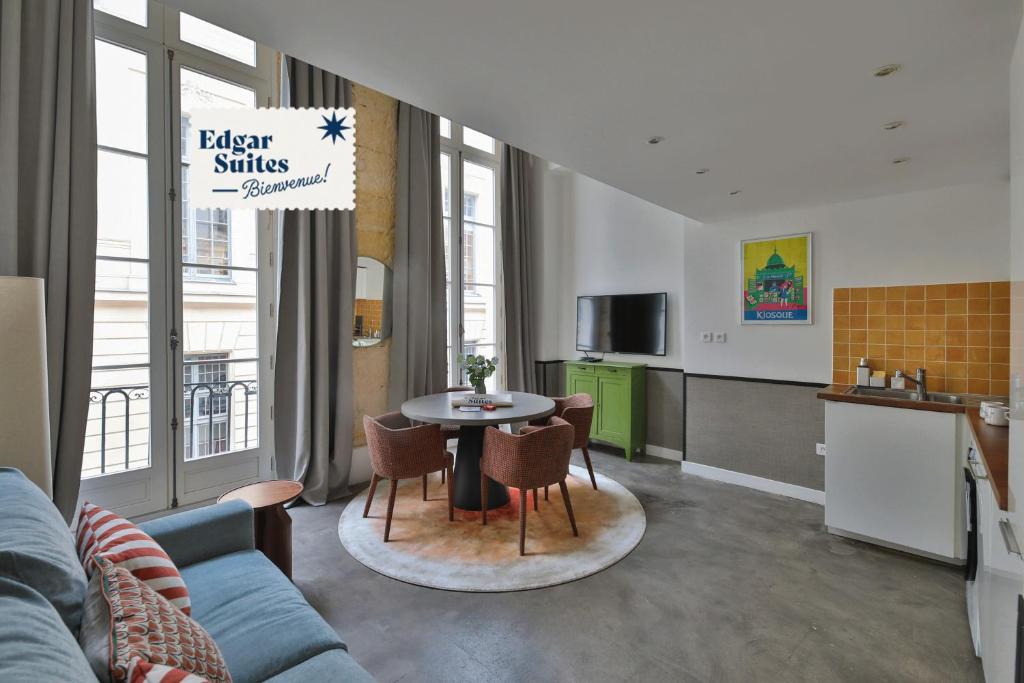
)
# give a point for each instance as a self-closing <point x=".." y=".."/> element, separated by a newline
<point x="719" y="337"/>
<point x="707" y="337"/>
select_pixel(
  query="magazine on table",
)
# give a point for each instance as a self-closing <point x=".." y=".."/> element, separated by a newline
<point x="499" y="400"/>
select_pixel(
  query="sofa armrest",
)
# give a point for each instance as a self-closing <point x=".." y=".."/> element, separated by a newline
<point x="202" y="534"/>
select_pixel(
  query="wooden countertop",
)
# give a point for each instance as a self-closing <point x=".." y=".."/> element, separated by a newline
<point x="843" y="394"/>
<point x="994" y="448"/>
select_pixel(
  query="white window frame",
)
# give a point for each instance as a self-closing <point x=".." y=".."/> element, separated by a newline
<point x="458" y="152"/>
<point x="170" y="481"/>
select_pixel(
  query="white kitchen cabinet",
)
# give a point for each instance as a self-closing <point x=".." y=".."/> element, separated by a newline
<point x="893" y="477"/>
<point x="999" y="584"/>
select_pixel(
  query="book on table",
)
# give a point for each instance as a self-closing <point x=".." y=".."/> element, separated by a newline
<point x="499" y="400"/>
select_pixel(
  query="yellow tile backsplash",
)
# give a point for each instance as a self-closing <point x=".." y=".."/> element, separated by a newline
<point x="959" y="333"/>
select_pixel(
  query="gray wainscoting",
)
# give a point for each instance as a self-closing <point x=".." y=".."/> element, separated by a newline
<point x="765" y="429"/>
<point x="666" y="396"/>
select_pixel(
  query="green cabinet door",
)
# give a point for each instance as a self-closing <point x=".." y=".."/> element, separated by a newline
<point x="613" y="412"/>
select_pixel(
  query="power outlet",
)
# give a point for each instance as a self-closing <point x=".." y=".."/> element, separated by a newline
<point x="707" y="337"/>
<point x="819" y="448"/>
<point x="719" y="337"/>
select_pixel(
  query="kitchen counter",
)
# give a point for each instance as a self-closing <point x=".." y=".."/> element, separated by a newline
<point x="994" y="448"/>
<point x="844" y="394"/>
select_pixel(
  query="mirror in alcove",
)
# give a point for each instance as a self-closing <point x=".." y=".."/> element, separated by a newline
<point x="371" y="320"/>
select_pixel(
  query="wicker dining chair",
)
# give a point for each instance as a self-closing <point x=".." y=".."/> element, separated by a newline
<point x="577" y="410"/>
<point x="398" y="450"/>
<point x="528" y="461"/>
<point x="451" y="431"/>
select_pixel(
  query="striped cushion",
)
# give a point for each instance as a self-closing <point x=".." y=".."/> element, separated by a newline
<point x="103" y="534"/>
<point x="147" y="672"/>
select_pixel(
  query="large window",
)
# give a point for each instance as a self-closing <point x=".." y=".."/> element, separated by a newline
<point x="184" y="328"/>
<point x="469" y="171"/>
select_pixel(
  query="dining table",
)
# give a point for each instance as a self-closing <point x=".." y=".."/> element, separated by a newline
<point x="438" y="409"/>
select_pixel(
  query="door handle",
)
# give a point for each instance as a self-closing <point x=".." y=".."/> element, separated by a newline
<point x="1009" y="538"/>
<point x="977" y="470"/>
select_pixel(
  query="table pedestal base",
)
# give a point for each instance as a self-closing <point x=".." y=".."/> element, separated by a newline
<point x="467" y="473"/>
<point x="273" y="534"/>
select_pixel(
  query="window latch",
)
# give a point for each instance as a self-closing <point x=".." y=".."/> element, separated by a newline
<point x="174" y="339"/>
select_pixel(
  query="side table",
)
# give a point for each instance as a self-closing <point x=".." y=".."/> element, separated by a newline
<point x="273" y="525"/>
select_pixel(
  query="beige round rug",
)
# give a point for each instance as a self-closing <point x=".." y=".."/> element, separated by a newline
<point x="427" y="550"/>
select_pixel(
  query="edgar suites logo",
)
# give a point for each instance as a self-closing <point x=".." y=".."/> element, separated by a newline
<point x="272" y="158"/>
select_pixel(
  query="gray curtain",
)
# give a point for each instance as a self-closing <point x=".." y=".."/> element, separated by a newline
<point x="419" y="336"/>
<point x="517" y="280"/>
<point x="313" y="367"/>
<point x="48" y="200"/>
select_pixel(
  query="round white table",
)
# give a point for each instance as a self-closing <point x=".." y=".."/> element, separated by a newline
<point x="437" y="409"/>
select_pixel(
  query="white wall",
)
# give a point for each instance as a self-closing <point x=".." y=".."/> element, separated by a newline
<point x="1017" y="277"/>
<point x="595" y="239"/>
<point x="953" y="234"/>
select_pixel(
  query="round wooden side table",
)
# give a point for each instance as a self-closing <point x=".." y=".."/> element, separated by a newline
<point x="273" y="525"/>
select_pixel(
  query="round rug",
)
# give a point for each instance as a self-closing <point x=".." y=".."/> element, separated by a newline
<point x="427" y="550"/>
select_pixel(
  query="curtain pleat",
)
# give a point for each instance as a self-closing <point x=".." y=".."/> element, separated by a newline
<point x="48" y="200"/>
<point x="516" y="229"/>
<point x="313" y="368"/>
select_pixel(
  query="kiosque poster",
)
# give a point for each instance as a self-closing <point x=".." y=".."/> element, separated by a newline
<point x="777" y="280"/>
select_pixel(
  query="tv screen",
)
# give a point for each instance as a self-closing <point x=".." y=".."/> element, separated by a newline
<point x="621" y="323"/>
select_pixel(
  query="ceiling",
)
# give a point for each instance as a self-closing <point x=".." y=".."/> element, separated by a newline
<point x="776" y="98"/>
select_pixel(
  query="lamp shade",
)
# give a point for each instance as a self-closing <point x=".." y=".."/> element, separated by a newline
<point x="24" y="400"/>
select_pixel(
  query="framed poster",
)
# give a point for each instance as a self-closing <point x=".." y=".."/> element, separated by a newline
<point x="776" y="280"/>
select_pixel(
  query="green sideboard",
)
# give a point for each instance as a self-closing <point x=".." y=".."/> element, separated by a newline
<point x="620" y="401"/>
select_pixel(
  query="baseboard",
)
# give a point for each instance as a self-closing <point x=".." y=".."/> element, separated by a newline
<point x="662" y="452"/>
<point x="753" y="482"/>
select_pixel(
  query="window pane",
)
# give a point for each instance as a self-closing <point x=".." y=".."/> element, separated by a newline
<point x="217" y="39"/>
<point x="217" y="238"/>
<point x="121" y="281"/>
<point x="447" y="249"/>
<point x="478" y="193"/>
<point x="484" y="143"/>
<point x="220" y="316"/>
<point x="221" y="405"/>
<point x="129" y="10"/>
<point x="122" y="205"/>
<point x="120" y="97"/>
<point x="117" y="431"/>
<point x="446" y="128"/>
<point x="446" y="185"/>
<point x="478" y="254"/>
<point x="478" y="314"/>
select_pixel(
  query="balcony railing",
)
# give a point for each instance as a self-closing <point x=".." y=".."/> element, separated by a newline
<point x="201" y="408"/>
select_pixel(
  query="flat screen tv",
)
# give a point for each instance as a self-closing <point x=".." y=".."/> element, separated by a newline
<point x="622" y="323"/>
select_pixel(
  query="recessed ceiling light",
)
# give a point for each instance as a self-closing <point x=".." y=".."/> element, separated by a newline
<point x="655" y="140"/>
<point x="734" y="193"/>
<point x="887" y="70"/>
<point x="702" y="171"/>
<point x="901" y="160"/>
<point x="893" y="125"/>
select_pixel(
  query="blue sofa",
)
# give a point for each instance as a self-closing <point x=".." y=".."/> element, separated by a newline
<point x="264" y="627"/>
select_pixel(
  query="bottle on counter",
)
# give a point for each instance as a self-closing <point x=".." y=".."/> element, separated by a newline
<point x="863" y="373"/>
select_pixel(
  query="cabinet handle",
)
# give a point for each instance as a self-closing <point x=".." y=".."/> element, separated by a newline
<point x="1009" y="538"/>
<point x="978" y="471"/>
<point x="612" y="370"/>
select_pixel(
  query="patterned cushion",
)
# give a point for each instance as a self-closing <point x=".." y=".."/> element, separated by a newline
<point x="102" y="533"/>
<point x="147" y="630"/>
<point x="158" y="673"/>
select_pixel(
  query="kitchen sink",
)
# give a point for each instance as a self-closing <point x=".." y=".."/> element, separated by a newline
<point x="933" y="397"/>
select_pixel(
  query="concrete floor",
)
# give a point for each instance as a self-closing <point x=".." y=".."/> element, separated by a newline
<point x="728" y="584"/>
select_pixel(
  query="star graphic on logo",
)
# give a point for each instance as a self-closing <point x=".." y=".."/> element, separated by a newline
<point x="333" y="127"/>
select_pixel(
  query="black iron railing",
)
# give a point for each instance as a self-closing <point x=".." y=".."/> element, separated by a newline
<point x="196" y="411"/>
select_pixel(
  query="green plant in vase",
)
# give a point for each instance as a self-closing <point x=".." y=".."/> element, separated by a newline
<point x="478" y="369"/>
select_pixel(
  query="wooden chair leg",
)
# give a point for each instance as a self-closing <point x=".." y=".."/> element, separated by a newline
<point x="545" y="493"/>
<point x="451" y="504"/>
<point x="442" y="475"/>
<point x="424" y="487"/>
<point x="590" y="467"/>
<point x="522" y="522"/>
<point x="535" y="500"/>
<point x="391" y="507"/>
<point x="369" y="496"/>
<point x="483" y="497"/>
<point x="568" y="506"/>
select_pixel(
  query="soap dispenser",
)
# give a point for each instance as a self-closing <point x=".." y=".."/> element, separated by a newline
<point x="863" y="373"/>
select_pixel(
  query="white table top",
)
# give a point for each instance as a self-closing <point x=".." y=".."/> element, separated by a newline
<point x="437" y="408"/>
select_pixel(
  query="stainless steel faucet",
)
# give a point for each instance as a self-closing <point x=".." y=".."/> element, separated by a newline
<point x="921" y="380"/>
